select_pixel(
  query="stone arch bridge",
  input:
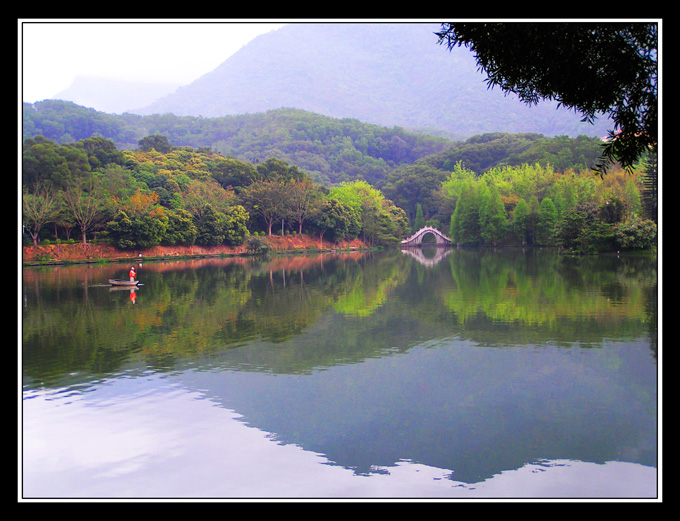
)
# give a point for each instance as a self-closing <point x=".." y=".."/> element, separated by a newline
<point x="417" y="238"/>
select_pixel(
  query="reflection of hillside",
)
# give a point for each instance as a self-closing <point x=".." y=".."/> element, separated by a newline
<point x="538" y="296"/>
<point x="201" y="306"/>
<point x="369" y="290"/>
<point x="451" y="404"/>
<point x="326" y="309"/>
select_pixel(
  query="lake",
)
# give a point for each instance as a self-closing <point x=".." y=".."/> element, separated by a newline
<point x="428" y="373"/>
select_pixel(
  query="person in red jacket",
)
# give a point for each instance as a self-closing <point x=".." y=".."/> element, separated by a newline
<point x="132" y="274"/>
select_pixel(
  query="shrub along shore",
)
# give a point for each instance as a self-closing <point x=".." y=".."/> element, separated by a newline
<point x="103" y="252"/>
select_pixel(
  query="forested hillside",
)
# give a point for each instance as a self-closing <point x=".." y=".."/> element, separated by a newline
<point x="161" y="193"/>
<point x="330" y="150"/>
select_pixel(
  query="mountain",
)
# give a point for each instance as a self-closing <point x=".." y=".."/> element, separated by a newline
<point x="113" y="96"/>
<point x="389" y="74"/>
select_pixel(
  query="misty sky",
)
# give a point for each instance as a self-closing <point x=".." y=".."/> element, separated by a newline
<point x="54" y="52"/>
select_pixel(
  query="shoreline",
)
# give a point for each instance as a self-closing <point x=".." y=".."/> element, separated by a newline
<point x="79" y="253"/>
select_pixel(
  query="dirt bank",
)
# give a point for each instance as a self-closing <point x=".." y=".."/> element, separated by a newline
<point x="63" y="253"/>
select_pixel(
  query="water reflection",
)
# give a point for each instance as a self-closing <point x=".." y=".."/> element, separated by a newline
<point x="428" y="256"/>
<point x="343" y="376"/>
<point x="177" y="444"/>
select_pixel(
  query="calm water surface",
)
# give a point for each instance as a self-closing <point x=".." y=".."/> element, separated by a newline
<point x="423" y="374"/>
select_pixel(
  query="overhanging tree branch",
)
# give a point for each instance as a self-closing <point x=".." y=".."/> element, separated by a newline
<point x="597" y="69"/>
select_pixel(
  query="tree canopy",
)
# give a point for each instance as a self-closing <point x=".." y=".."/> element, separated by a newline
<point x="594" y="68"/>
<point x="138" y="199"/>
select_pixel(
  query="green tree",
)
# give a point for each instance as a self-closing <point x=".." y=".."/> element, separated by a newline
<point x="38" y="208"/>
<point x="268" y="199"/>
<point x="632" y="197"/>
<point x="304" y="199"/>
<point x="392" y="225"/>
<point x="336" y="221"/>
<point x="375" y="211"/>
<point x="465" y="219"/>
<point x="86" y="205"/>
<point x="100" y="152"/>
<point x="453" y="226"/>
<point x="520" y="221"/>
<point x="52" y="165"/>
<point x="276" y="169"/>
<point x="636" y="234"/>
<point x="201" y="193"/>
<point x="612" y="210"/>
<point x="366" y="201"/>
<point x="122" y="231"/>
<point x="181" y="229"/>
<point x="581" y="230"/>
<point x="532" y="218"/>
<point x="545" y="224"/>
<point x="212" y="228"/>
<point x="419" y="183"/>
<point x="150" y="228"/>
<point x="256" y="245"/>
<point x="419" y="221"/>
<point x="493" y="220"/>
<point x="563" y="194"/>
<point x="232" y="172"/>
<point x="235" y="225"/>
<point x="570" y="228"/>
<point x="143" y="230"/>
<point x="155" y="142"/>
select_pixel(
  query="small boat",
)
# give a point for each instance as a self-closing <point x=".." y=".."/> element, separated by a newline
<point x="120" y="282"/>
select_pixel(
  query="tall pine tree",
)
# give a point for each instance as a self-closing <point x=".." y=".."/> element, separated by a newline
<point x="420" y="218"/>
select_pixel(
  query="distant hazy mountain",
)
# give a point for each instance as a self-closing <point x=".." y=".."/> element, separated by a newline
<point x="113" y="96"/>
<point x="386" y="74"/>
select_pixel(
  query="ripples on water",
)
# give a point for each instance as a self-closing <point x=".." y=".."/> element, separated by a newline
<point x="341" y="377"/>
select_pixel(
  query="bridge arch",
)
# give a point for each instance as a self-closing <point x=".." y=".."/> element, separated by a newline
<point x="417" y="238"/>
